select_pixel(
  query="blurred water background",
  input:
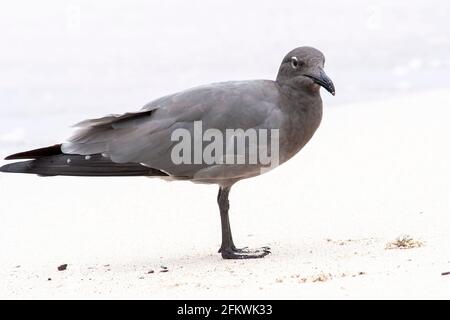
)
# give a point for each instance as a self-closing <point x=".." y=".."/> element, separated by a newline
<point x="64" y="61"/>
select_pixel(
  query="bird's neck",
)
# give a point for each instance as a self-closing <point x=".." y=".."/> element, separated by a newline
<point x="302" y="95"/>
<point x="304" y="108"/>
<point x="299" y="86"/>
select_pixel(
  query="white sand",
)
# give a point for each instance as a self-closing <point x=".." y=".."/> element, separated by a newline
<point x="373" y="172"/>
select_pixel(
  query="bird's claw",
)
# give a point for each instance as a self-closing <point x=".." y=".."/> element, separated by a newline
<point x="244" y="253"/>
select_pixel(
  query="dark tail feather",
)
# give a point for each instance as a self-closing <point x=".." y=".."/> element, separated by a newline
<point x="37" y="153"/>
<point x="76" y="165"/>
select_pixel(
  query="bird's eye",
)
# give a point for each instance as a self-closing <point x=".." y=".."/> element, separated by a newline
<point x="295" y="63"/>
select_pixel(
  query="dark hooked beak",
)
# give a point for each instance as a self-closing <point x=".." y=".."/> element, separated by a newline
<point x="323" y="80"/>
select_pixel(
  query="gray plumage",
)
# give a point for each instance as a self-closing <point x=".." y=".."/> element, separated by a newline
<point x="139" y="143"/>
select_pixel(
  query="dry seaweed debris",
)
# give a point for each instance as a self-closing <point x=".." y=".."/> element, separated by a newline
<point x="322" y="277"/>
<point x="404" y="242"/>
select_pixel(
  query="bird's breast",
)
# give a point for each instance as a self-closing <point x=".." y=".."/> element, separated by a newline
<point x="299" y="127"/>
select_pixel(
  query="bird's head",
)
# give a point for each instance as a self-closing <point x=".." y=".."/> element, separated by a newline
<point x="303" y="66"/>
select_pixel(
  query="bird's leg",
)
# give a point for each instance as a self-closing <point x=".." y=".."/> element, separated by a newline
<point x="228" y="249"/>
<point x="224" y="205"/>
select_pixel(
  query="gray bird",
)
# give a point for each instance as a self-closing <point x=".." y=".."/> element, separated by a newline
<point x="142" y="143"/>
